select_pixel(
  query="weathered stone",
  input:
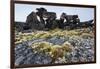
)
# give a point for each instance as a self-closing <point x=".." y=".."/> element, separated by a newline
<point x="56" y="40"/>
<point x="19" y="60"/>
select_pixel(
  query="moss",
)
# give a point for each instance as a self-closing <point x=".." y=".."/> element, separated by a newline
<point x="55" y="30"/>
<point x="87" y="35"/>
<point x="48" y="34"/>
<point x="59" y="52"/>
<point x="67" y="46"/>
<point x="73" y="32"/>
<point x="55" y="51"/>
<point x="42" y="47"/>
<point x="41" y="35"/>
<point x="17" y="39"/>
<point x="17" y="42"/>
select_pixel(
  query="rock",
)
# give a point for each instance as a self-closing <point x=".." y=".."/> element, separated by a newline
<point x="33" y="22"/>
<point x="20" y="60"/>
<point x="59" y="60"/>
<point x="25" y="55"/>
<point x="56" y="40"/>
<point x="38" y="58"/>
<point x="83" y="50"/>
<point x="42" y="59"/>
<point x="34" y="41"/>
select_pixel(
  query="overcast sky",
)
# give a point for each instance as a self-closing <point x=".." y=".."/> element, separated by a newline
<point x="22" y="11"/>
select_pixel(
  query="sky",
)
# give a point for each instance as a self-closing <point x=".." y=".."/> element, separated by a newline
<point x="23" y="10"/>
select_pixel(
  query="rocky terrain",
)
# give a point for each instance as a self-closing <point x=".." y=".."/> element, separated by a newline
<point x="54" y="46"/>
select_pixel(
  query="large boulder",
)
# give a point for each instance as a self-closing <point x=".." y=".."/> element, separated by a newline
<point x="33" y="22"/>
<point x="68" y="20"/>
<point x="49" y="16"/>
